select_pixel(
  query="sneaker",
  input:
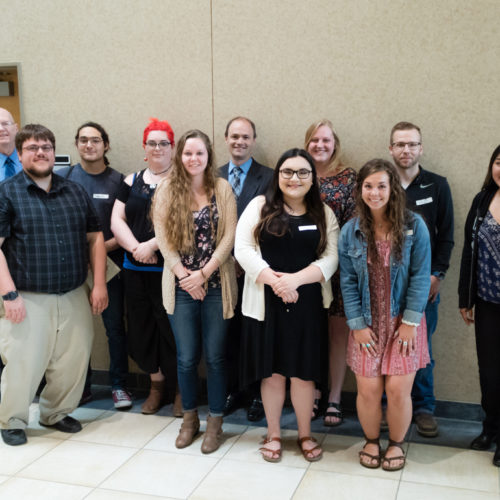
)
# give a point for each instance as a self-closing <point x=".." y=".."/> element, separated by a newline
<point x="121" y="399"/>
<point x="426" y="424"/>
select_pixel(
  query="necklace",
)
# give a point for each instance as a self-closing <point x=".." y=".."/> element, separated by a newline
<point x="158" y="173"/>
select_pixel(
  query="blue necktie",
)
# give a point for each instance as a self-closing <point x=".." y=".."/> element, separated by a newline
<point x="10" y="168"/>
<point x="237" y="171"/>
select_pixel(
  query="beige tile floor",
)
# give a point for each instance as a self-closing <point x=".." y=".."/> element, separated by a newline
<point x="129" y="456"/>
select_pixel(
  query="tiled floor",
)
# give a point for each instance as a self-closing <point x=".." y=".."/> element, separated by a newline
<point x="129" y="456"/>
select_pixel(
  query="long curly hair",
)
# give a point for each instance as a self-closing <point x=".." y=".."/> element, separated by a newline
<point x="174" y="197"/>
<point x="273" y="216"/>
<point x="396" y="212"/>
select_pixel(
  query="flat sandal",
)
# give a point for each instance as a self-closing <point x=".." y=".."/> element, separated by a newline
<point x="272" y="458"/>
<point x="305" y="453"/>
<point x="377" y="458"/>
<point x="389" y="460"/>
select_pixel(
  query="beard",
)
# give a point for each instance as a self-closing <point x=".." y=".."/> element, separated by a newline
<point x="39" y="173"/>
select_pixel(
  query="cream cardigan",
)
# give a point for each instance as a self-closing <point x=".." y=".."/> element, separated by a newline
<point x="224" y="241"/>
<point x="247" y="253"/>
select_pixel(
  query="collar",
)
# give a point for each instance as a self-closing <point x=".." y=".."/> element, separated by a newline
<point x="56" y="185"/>
<point x="245" y="167"/>
<point x="419" y="176"/>
<point x="13" y="156"/>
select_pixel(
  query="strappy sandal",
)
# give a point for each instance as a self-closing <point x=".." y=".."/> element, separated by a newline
<point x="315" y="414"/>
<point x="333" y="410"/>
<point x="389" y="460"/>
<point x="305" y="453"/>
<point x="272" y="458"/>
<point x="377" y="458"/>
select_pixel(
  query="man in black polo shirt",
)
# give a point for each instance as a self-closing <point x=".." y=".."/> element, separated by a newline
<point x="48" y="233"/>
<point x="429" y="195"/>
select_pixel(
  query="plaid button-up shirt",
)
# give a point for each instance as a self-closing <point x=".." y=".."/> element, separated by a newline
<point x="46" y="233"/>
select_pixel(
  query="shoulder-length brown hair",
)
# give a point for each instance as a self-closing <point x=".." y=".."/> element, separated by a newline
<point x="396" y="212"/>
<point x="173" y="199"/>
<point x="489" y="183"/>
<point x="274" y="218"/>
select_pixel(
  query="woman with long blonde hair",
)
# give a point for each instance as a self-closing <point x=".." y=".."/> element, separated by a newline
<point x="194" y="216"/>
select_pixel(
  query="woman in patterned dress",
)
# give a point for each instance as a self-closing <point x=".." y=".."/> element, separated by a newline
<point x="479" y="298"/>
<point x="336" y="185"/>
<point x="385" y="261"/>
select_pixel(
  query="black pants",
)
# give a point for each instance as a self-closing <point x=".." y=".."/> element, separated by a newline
<point x="151" y="342"/>
<point x="487" y="326"/>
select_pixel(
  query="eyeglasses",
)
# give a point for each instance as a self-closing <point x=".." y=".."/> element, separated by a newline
<point x="46" y="148"/>
<point x="402" y="145"/>
<point x="93" y="140"/>
<point x="154" y="144"/>
<point x="6" y="124"/>
<point x="302" y="173"/>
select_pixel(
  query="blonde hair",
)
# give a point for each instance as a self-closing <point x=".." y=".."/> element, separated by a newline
<point x="335" y="164"/>
<point x="173" y="198"/>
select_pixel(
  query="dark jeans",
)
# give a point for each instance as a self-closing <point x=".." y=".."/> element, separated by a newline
<point x="486" y="323"/>
<point x="113" y="320"/>
<point x="197" y="325"/>
<point x="422" y="392"/>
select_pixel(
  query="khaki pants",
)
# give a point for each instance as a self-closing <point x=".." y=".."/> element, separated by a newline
<point x="54" y="339"/>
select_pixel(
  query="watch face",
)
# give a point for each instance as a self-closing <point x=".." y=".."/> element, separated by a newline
<point x="10" y="296"/>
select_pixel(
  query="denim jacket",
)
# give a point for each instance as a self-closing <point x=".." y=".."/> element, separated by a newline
<point x="410" y="278"/>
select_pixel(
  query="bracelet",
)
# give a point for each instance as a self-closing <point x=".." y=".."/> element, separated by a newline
<point x="409" y="323"/>
<point x="203" y="274"/>
<point x="183" y="278"/>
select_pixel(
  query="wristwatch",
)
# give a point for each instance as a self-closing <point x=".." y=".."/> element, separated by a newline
<point x="11" y="295"/>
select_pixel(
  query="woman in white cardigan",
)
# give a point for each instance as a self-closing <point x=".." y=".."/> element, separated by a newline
<point x="287" y="244"/>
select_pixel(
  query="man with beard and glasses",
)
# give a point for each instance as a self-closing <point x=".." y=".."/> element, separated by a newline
<point x="49" y="232"/>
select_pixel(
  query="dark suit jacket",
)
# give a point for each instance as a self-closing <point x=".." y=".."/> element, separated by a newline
<point x="256" y="183"/>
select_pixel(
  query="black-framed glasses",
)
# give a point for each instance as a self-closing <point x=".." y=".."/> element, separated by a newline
<point x="154" y="144"/>
<point x="402" y="145"/>
<point x="93" y="140"/>
<point x="288" y="173"/>
<point x="46" y="148"/>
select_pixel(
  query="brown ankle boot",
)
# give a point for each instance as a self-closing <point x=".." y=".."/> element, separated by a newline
<point x="189" y="428"/>
<point x="155" y="398"/>
<point x="177" y="408"/>
<point x="211" y="440"/>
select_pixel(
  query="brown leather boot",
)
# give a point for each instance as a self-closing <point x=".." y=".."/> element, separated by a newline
<point x="189" y="428"/>
<point x="155" y="399"/>
<point x="211" y="440"/>
<point x="177" y="408"/>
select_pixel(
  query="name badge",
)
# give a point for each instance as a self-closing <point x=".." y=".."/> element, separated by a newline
<point x="308" y="228"/>
<point x="409" y="232"/>
<point x="425" y="201"/>
<point x="103" y="196"/>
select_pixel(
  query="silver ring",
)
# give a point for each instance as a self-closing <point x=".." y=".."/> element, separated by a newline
<point x="363" y="345"/>
<point x="405" y="343"/>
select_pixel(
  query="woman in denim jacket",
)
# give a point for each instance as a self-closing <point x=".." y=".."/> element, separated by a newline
<point x="385" y="260"/>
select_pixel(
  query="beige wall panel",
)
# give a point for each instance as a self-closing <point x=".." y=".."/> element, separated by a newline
<point x="364" y="64"/>
<point x="367" y="65"/>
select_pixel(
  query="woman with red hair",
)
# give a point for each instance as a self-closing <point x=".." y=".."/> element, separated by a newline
<point x="150" y="340"/>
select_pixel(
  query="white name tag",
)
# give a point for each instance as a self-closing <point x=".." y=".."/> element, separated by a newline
<point x="98" y="196"/>
<point x="424" y="201"/>
<point x="409" y="232"/>
<point x="308" y="228"/>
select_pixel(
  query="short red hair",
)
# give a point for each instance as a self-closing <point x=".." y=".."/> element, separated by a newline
<point x="155" y="124"/>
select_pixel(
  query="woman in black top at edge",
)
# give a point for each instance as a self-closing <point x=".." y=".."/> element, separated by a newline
<point x="479" y="298"/>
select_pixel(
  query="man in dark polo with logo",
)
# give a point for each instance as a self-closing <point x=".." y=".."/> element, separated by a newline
<point x="49" y="232"/>
<point x="248" y="179"/>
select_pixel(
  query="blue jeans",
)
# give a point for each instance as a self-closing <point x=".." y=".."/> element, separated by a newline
<point x="199" y="324"/>
<point x="423" y="387"/>
<point x="112" y="317"/>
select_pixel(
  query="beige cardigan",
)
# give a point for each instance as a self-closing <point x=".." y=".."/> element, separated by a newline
<point x="226" y="207"/>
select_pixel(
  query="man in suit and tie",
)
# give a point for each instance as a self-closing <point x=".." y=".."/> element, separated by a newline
<point x="9" y="161"/>
<point x="248" y="179"/>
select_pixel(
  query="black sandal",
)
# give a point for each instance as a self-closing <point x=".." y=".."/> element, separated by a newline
<point x="388" y="460"/>
<point x="377" y="458"/>
<point x="315" y="414"/>
<point x="333" y="410"/>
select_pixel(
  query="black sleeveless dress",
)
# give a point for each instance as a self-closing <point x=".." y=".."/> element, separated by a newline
<point x="292" y="339"/>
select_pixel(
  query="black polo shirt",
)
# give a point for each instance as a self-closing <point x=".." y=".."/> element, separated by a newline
<point x="46" y="233"/>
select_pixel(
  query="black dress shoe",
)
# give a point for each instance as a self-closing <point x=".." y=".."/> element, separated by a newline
<point x="256" y="411"/>
<point x="482" y="442"/>
<point x="67" y="424"/>
<point x="14" y="437"/>
<point x="496" y="456"/>
<point x="232" y="403"/>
